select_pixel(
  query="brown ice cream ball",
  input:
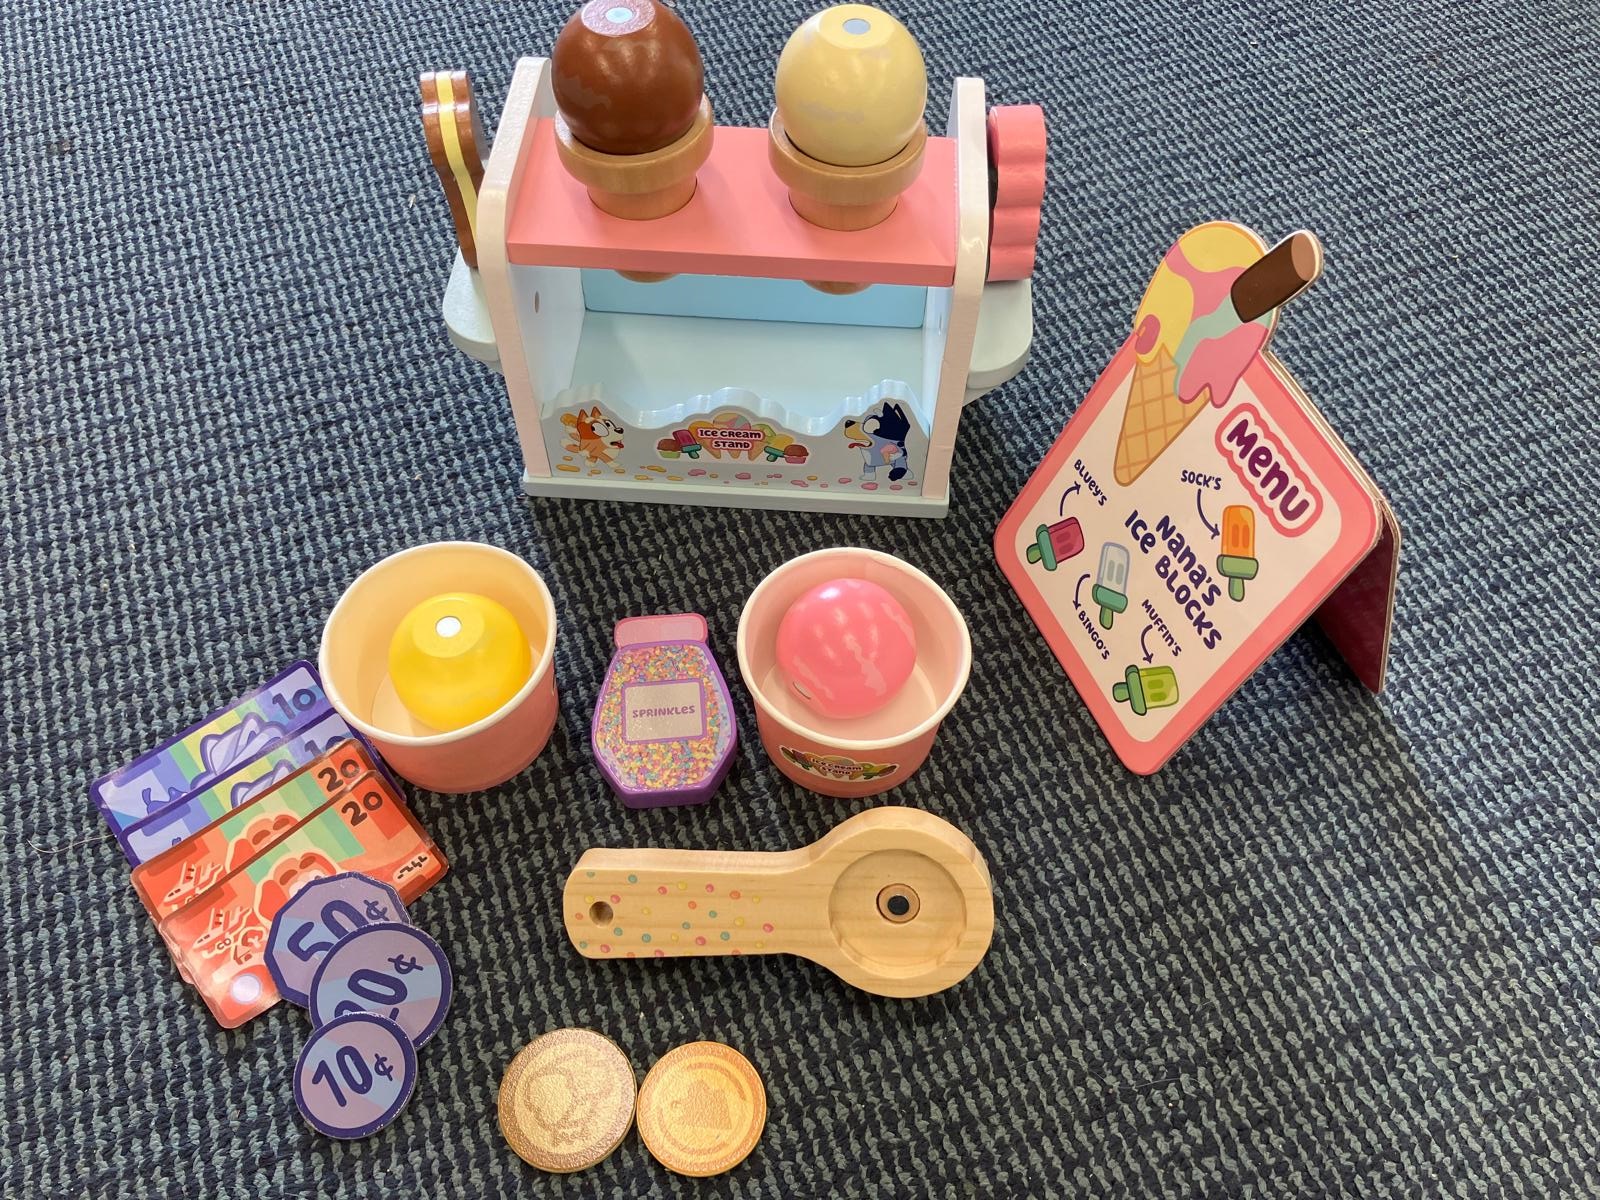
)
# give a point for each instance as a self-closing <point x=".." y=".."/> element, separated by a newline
<point x="627" y="76"/>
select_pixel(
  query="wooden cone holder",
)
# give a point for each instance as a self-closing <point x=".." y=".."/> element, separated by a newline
<point x="844" y="198"/>
<point x="640" y="187"/>
<point x="894" y="901"/>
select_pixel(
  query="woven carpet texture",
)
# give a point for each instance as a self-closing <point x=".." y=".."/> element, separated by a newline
<point x="1341" y="944"/>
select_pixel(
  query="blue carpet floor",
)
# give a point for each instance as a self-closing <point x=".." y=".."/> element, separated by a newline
<point x="1340" y="945"/>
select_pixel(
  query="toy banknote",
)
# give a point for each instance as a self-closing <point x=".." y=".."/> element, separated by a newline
<point x="182" y="873"/>
<point x="207" y="751"/>
<point x="219" y="939"/>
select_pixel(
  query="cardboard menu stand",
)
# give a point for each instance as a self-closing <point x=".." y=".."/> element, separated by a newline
<point x="1197" y="508"/>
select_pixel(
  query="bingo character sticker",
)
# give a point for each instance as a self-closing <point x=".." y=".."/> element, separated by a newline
<point x="1196" y="509"/>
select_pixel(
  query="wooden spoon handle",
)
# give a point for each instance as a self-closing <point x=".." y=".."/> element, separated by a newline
<point x="668" y="903"/>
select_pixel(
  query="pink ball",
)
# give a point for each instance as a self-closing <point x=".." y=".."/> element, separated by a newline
<point x="847" y="647"/>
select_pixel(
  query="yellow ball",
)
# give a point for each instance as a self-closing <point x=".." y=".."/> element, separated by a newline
<point x="457" y="657"/>
<point x="851" y="86"/>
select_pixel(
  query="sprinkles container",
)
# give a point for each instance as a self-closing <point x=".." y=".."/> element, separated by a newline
<point x="664" y="731"/>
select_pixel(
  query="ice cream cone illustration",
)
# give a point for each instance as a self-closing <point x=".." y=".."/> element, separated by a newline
<point x="1154" y="417"/>
<point x="1206" y="314"/>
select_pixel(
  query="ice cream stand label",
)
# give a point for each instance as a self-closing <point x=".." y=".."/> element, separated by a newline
<point x="1165" y="547"/>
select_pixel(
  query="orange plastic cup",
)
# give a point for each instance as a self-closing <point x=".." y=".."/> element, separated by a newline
<point x="354" y="662"/>
<point x="867" y="755"/>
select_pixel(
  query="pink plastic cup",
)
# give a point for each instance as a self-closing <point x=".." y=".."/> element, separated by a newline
<point x="864" y="755"/>
<point x="354" y="662"/>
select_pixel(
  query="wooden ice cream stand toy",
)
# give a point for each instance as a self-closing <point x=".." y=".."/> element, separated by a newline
<point x="790" y="316"/>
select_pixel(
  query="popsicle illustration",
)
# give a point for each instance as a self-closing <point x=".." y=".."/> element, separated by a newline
<point x="1144" y="688"/>
<point x="1206" y="313"/>
<point x="777" y="444"/>
<point x="1237" y="562"/>
<point x="1056" y="543"/>
<point x="1111" y="583"/>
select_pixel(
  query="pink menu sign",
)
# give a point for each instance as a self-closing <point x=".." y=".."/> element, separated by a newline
<point x="1197" y="509"/>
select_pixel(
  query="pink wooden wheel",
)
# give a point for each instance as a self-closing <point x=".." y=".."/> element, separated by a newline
<point x="1016" y="161"/>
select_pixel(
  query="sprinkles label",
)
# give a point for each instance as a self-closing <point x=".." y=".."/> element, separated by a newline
<point x="664" y="731"/>
<point x="663" y="712"/>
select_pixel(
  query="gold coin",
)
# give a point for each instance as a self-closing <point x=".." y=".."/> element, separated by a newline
<point x="566" y="1101"/>
<point x="702" y="1109"/>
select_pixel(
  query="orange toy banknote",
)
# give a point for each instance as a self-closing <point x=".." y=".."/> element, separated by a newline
<point x="220" y="938"/>
<point x="177" y="876"/>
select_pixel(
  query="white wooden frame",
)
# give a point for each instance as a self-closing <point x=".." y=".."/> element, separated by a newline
<point x="537" y="317"/>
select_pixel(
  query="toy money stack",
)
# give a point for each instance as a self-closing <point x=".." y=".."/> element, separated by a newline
<point x="225" y="822"/>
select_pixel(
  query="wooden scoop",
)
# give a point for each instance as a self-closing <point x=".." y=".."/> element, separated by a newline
<point x="458" y="148"/>
<point x="894" y="901"/>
